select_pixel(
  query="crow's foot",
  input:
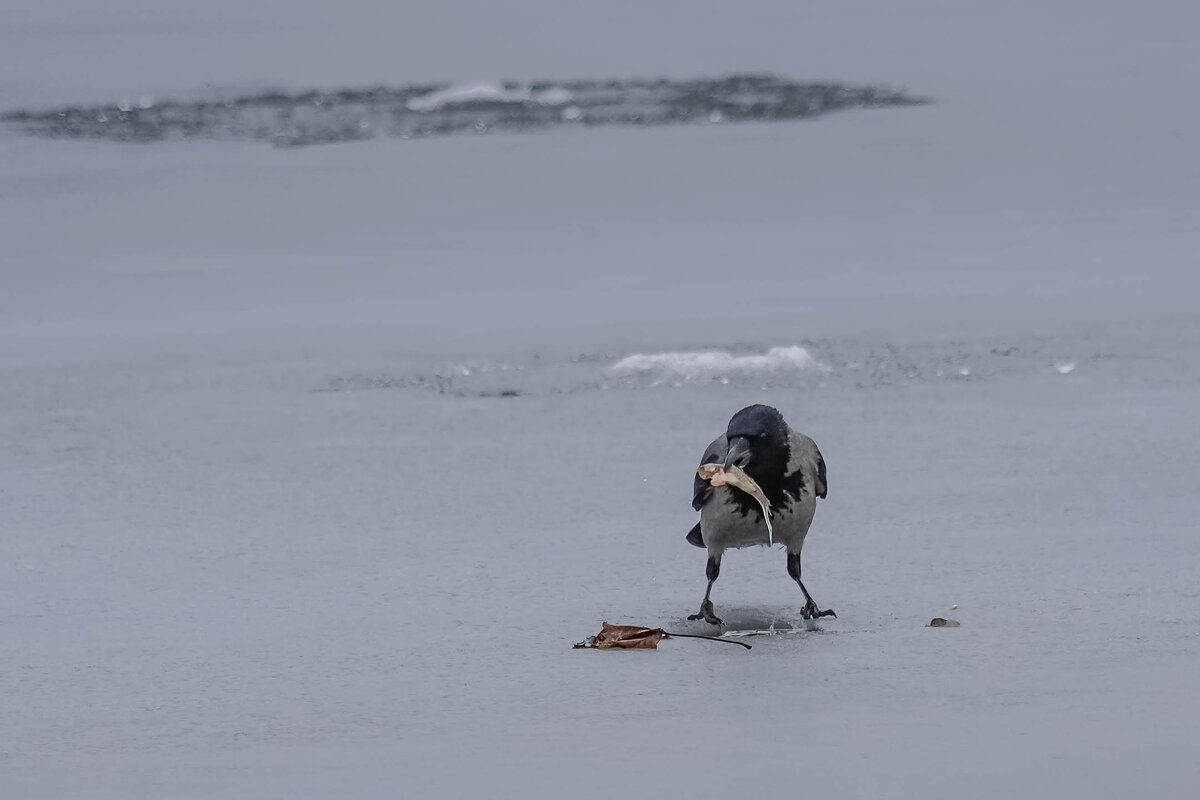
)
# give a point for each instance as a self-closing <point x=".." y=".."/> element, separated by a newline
<point x="707" y="614"/>
<point x="810" y="611"/>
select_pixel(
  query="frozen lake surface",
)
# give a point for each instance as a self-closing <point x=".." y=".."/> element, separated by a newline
<point x="315" y="462"/>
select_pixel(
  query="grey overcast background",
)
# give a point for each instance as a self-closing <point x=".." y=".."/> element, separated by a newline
<point x="315" y="462"/>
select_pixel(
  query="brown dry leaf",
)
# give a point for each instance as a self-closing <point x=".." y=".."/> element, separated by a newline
<point x="624" y="636"/>
<point x="637" y="637"/>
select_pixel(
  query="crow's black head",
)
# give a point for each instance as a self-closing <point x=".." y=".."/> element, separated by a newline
<point x="758" y="443"/>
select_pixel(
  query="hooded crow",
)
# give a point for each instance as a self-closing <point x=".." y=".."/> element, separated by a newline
<point x="789" y="469"/>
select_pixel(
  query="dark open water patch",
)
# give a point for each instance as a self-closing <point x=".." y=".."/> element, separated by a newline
<point x="419" y="111"/>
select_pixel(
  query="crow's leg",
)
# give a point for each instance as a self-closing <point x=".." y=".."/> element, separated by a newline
<point x="810" y="608"/>
<point x="706" y="608"/>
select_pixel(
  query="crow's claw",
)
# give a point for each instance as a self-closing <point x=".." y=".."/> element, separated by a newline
<point x="810" y="611"/>
<point x="707" y="614"/>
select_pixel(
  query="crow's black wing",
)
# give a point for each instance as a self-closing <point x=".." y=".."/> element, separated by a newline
<point x="806" y="465"/>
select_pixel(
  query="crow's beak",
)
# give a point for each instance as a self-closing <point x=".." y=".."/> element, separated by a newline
<point x="739" y="452"/>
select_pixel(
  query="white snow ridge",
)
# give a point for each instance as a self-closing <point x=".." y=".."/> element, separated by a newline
<point x="715" y="363"/>
<point x="486" y="92"/>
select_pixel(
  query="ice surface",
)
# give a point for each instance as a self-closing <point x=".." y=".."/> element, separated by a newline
<point x="313" y="464"/>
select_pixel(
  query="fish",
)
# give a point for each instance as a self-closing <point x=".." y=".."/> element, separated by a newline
<point x="735" y="476"/>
